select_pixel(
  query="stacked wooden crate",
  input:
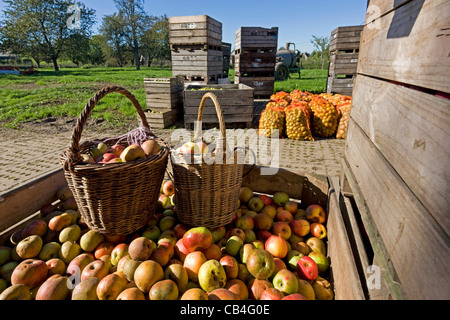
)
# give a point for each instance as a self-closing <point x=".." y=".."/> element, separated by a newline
<point x="344" y="50"/>
<point x="226" y="50"/>
<point x="397" y="152"/>
<point x="164" y="101"/>
<point x="255" y="52"/>
<point x="196" y="48"/>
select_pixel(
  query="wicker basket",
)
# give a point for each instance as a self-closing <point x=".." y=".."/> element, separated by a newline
<point x="114" y="198"/>
<point x="207" y="194"/>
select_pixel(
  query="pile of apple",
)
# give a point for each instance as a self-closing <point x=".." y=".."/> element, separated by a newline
<point x="272" y="250"/>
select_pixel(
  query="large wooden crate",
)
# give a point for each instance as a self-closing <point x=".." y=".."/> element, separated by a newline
<point x="255" y="63"/>
<point x="343" y="64"/>
<point x="345" y="39"/>
<point x="200" y="29"/>
<point x="397" y="150"/>
<point x="236" y="102"/>
<point x="255" y="38"/>
<point x="163" y="119"/>
<point x="163" y="94"/>
<point x="22" y="205"/>
<point x="226" y="52"/>
<point x="194" y="63"/>
<point x="263" y="86"/>
<point x="342" y="86"/>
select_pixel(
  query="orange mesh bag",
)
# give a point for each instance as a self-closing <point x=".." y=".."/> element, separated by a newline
<point x="301" y="95"/>
<point x="272" y="118"/>
<point x="324" y="118"/>
<point x="298" y="122"/>
<point x="344" y="116"/>
<point x="281" y="97"/>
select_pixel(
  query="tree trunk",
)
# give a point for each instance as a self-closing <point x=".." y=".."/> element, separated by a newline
<point x="149" y="62"/>
<point x="136" y="59"/>
<point x="55" y="63"/>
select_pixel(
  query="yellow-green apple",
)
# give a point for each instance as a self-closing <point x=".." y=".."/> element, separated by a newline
<point x="260" y="263"/>
<point x="162" y="253"/>
<point x="164" y="290"/>
<point x="180" y="229"/>
<point x="307" y="269"/>
<point x="7" y="269"/>
<point x="263" y="221"/>
<point x="322" y="289"/>
<point x="291" y="206"/>
<point x="316" y="245"/>
<point x="230" y="265"/>
<point x="300" y="227"/>
<point x="49" y="251"/>
<point x="218" y="233"/>
<point x="177" y="273"/>
<point x="64" y="192"/>
<point x="131" y="153"/>
<point x="263" y="235"/>
<point x="180" y="250"/>
<point x="321" y="260"/>
<point x="271" y="211"/>
<point x="119" y="251"/>
<point x="168" y="188"/>
<point x="30" y="272"/>
<point x="255" y="204"/>
<point x="129" y="268"/>
<point x="213" y="252"/>
<point x="250" y="213"/>
<point x="245" y="251"/>
<point x="259" y="243"/>
<point x="285" y="216"/>
<point x="318" y="230"/>
<point x="271" y="294"/>
<point x="86" y="289"/>
<point x="305" y="289"/>
<point x="245" y="222"/>
<point x="266" y="199"/>
<point x="131" y="294"/>
<point x="277" y="246"/>
<point x="243" y="274"/>
<point x="194" y="294"/>
<point x="150" y="147"/>
<point x="236" y="232"/>
<point x="87" y="158"/>
<point x="163" y="201"/>
<point x="212" y="275"/>
<point x="29" y="247"/>
<point x="168" y="236"/>
<point x="301" y="213"/>
<point x="97" y="268"/>
<point x="282" y="229"/>
<point x="110" y="287"/>
<point x="54" y="288"/>
<point x="292" y="258"/>
<point x="245" y="194"/>
<point x="140" y="248"/>
<point x="148" y="273"/>
<point x="238" y="287"/>
<point x="69" y="250"/>
<point x="197" y="238"/>
<point x="77" y="265"/>
<point x="280" y="198"/>
<point x="187" y="148"/>
<point x="168" y="212"/>
<point x="152" y="220"/>
<point x="201" y="147"/>
<point x="121" y="264"/>
<point x="294" y="296"/>
<point x="256" y="287"/>
<point x="90" y="240"/>
<point x="35" y="227"/>
<point x="167" y="223"/>
<point x="151" y="232"/>
<point x="250" y="235"/>
<point x="70" y="233"/>
<point x="286" y="282"/>
<point x="104" y="248"/>
<point x="222" y="294"/>
<point x="56" y="266"/>
<point x="279" y="264"/>
<point x="192" y="262"/>
<point x="16" y="292"/>
<point x="233" y="245"/>
<point x="316" y="213"/>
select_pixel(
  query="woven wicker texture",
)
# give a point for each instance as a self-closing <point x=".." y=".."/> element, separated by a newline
<point x="114" y="198"/>
<point x="207" y="194"/>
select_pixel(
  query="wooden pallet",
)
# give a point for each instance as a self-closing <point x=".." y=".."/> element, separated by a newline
<point x="163" y="93"/>
<point x="263" y="85"/>
<point x="256" y="38"/>
<point x="200" y="29"/>
<point x="397" y="147"/>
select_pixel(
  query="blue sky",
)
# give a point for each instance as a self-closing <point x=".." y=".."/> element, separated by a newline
<point x="297" y="20"/>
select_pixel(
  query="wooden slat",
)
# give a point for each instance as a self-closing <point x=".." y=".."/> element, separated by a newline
<point x="409" y="45"/>
<point x="418" y="247"/>
<point x="412" y="131"/>
<point x="243" y="110"/>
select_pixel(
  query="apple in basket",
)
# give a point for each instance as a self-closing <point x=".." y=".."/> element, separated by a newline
<point x="131" y="153"/>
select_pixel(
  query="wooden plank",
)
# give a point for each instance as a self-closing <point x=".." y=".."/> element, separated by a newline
<point x="193" y="20"/>
<point x="243" y="110"/>
<point x="411" y="235"/>
<point x="212" y="118"/>
<point x="412" y="131"/>
<point x="256" y="37"/>
<point x="409" y="45"/>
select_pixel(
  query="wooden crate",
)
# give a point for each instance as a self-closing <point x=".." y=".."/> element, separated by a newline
<point x="200" y="29"/>
<point x="343" y="64"/>
<point x="163" y="119"/>
<point x="163" y="93"/>
<point x="398" y="147"/>
<point x="263" y="85"/>
<point x="342" y="86"/>
<point x="22" y="205"/>
<point x="193" y="63"/>
<point x="256" y="38"/>
<point x="255" y="63"/>
<point x="226" y="51"/>
<point x="346" y="39"/>
<point x="236" y="101"/>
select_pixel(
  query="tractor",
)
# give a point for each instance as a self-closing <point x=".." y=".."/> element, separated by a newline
<point x="287" y="62"/>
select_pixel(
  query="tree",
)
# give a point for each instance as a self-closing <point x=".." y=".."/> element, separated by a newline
<point x="134" y="23"/>
<point x="77" y="48"/>
<point x="155" y="41"/>
<point x="113" y="32"/>
<point x="322" y="45"/>
<point x="96" y="56"/>
<point x="42" y="28"/>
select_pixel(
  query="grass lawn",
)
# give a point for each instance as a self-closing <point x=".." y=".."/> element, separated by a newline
<point x="64" y="93"/>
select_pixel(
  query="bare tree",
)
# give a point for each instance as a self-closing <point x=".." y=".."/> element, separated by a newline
<point x="322" y="45"/>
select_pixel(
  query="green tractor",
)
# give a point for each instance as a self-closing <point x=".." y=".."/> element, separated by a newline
<point x="287" y="62"/>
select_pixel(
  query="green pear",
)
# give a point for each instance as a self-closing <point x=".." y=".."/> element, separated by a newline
<point x="90" y="240"/>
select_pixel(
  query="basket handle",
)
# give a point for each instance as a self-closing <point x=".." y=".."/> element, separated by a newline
<point x="74" y="149"/>
<point x="219" y="112"/>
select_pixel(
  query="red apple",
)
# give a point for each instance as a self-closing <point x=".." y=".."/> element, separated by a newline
<point x="245" y="222"/>
<point x="307" y="268"/>
<point x="180" y="250"/>
<point x="119" y="251"/>
<point x="263" y="235"/>
<point x="266" y="200"/>
<point x="260" y="263"/>
<point x="285" y="281"/>
<point x="291" y="206"/>
<point x="117" y="149"/>
<point x="168" y="188"/>
<point x="300" y="227"/>
<point x="285" y="216"/>
<point x="318" y="230"/>
<point x="263" y="221"/>
<point x="316" y="213"/>
<point x="282" y="229"/>
<point x="277" y="246"/>
<point x="272" y="294"/>
<point x="231" y="266"/>
<point x="256" y="287"/>
<point x="294" y="296"/>
<point x="198" y="238"/>
<point x="213" y="252"/>
<point x="180" y="229"/>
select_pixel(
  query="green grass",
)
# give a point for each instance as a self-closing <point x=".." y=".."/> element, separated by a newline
<point x="65" y="93"/>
